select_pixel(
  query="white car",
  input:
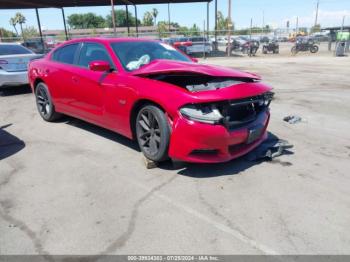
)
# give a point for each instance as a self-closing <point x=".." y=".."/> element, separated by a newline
<point x="14" y="59"/>
<point x="199" y="45"/>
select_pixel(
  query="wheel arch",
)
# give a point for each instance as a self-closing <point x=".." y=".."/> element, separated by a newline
<point x="36" y="82"/>
<point x="136" y="108"/>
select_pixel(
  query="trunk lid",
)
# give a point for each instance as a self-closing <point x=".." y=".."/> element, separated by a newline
<point x="16" y="63"/>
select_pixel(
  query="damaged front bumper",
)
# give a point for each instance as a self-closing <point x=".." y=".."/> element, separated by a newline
<point x="193" y="141"/>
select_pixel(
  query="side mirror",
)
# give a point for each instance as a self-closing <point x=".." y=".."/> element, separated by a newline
<point x="194" y="59"/>
<point x="99" y="66"/>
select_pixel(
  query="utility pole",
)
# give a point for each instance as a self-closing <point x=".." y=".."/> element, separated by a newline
<point x="169" y="18"/>
<point x="342" y="24"/>
<point x="251" y="25"/>
<point x="263" y="21"/>
<point x="229" y="26"/>
<point x="297" y="26"/>
<point x="113" y="17"/>
<point x="317" y="5"/>
<point x="216" y="24"/>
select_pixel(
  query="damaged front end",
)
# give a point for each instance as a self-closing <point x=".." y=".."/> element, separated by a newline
<point x="200" y="82"/>
<point x="231" y="113"/>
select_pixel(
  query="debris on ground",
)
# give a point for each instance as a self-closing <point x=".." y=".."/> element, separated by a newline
<point x="277" y="149"/>
<point x="292" y="119"/>
<point x="271" y="148"/>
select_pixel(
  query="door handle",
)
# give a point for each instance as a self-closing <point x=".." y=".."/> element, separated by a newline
<point x="75" y="79"/>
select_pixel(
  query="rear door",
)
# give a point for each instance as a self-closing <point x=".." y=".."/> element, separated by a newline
<point x="60" y="74"/>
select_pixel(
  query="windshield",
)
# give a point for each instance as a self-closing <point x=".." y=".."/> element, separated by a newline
<point x="133" y="55"/>
<point x="13" y="50"/>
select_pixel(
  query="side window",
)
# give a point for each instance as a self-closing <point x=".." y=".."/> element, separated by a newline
<point x="92" y="52"/>
<point x="65" y="54"/>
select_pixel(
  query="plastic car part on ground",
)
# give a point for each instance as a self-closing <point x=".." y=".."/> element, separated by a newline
<point x="271" y="148"/>
<point x="292" y="119"/>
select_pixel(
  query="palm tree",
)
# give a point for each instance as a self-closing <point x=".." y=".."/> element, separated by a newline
<point x="20" y="19"/>
<point x="13" y="22"/>
<point x="155" y="14"/>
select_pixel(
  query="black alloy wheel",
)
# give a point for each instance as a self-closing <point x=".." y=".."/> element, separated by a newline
<point x="44" y="103"/>
<point x="153" y="132"/>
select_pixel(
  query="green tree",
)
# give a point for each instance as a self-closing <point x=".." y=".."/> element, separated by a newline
<point x="29" y="32"/>
<point x="155" y="14"/>
<point x="120" y="19"/>
<point x="20" y="19"/>
<point x="183" y="30"/>
<point x="315" y="28"/>
<point x="163" y="28"/>
<point x="147" y="19"/>
<point x="222" y="24"/>
<point x="195" y="31"/>
<point x="303" y="29"/>
<point x="88" y="20"/>
<point x="6" y="33"/>
<point x="13" y="22"/>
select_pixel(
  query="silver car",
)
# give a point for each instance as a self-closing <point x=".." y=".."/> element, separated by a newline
<point x="14" y="60"/>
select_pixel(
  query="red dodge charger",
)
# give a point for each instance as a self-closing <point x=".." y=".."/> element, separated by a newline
<point x="149" y="91"/>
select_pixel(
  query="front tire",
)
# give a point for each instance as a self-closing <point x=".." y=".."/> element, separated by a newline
<point x="44" y="103"/>
<point x="314" y="49"/>
<point x="153" y="133"/>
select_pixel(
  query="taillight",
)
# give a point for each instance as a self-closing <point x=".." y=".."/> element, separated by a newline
<point x="3" y="62"/>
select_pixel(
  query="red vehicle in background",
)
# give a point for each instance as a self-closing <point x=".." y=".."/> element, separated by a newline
<point x="149" y="91"/>
<point x="179" y="43"/>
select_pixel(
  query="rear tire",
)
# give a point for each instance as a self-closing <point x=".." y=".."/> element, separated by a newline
<point x="294" y="50"/>
<point x="153" y="133"/>
<point x="44" y="103"/>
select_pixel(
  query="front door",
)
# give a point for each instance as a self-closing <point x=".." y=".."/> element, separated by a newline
<point x="87" y="91"/>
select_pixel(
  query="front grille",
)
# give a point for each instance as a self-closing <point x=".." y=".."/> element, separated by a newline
<point x="238" y="113"/>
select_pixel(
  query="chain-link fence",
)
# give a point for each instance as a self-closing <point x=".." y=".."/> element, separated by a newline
<point x="206" y="43"/>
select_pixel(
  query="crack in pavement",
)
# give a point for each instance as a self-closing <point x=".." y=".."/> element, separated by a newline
<point x="121" y="240"/>
<point x="215" y="212"/>
<point x="204" y="218"/>
<point x="23" y="227"/>
<point x="5" y="206"/>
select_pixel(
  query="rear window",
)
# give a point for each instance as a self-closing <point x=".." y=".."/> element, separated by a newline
<point x="65" y="54"/>
<point x="13" y="50"/>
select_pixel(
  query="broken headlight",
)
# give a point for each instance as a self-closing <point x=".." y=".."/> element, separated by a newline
<point x="208" y="114"/>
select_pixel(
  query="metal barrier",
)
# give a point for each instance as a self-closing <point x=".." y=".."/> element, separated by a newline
<point x="217" y="39"/>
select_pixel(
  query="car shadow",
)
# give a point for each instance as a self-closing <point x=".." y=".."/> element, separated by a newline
<point x="105" y="133"/>
<point x="15" y="90"/>
<point x="9" y="144"/>
<point x="234" y="167"/>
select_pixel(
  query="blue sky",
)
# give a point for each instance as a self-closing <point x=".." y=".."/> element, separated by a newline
<point x="277" y="12"/>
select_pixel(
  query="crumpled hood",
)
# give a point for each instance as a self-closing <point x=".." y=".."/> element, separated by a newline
<point x="170" y="66"/>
